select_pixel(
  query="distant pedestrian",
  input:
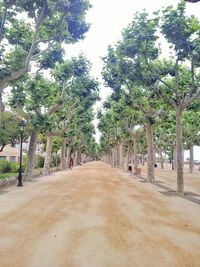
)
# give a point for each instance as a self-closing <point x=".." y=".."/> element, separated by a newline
<point x="71" y="164"/>
<point x="155" y="165"/>
<point x="130" y="168"/>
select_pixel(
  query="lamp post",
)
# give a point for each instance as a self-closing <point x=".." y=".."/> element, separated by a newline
<point x="21" y="129"/>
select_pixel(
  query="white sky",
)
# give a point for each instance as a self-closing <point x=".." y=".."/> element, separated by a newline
<point x="108" y="18"/>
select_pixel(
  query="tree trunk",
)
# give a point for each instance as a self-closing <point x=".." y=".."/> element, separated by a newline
<point x="161" y="160"/>
<point x="47" y="161"/>
<point x="29" y="171"/>
<point x="68" y="156"/>
<point x="128" y="157"/>
<point x="179" y="151"/>
<point x="191" y="163"/>
<point x="76" y="158"/>
<point x="113" y="156"/>
<point x="135" y="153"/>
<point x="118" y="155"/>
<point x="143" y="160"/>
<point x="110" y="158"/>
<point x="150" y="153"/>
<point x="2" y="107"/>
<point x="121" y="155"/>
<point x="165" y="159"/>
<point x="63" y="154"/>
<point x="106" y="158"/>
<point x="175" y="157"/>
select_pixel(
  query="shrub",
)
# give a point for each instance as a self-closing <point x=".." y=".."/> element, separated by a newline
<point x="55" y="160"/>
<point x="39" y="162"/>
<point x="5" y="166"/>
<point x="14" y="166"/>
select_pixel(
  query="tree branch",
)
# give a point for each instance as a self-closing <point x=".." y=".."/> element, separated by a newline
<point x="2" y="23"/>
<point x="43" y="51"/>
<point x="2" y="147"/>
<point x="189" y="100"/>
<point x="37" y="29"/>
<point x="16" y="74"/>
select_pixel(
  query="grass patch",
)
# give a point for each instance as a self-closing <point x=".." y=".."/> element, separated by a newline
<point x="7" y="175"/>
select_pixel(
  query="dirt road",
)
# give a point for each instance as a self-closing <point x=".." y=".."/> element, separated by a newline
<point x="96" y="216"/>
<point x="168" y="176"/>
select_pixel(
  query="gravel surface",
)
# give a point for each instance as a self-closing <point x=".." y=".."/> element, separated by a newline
<point x="97" y="216"/>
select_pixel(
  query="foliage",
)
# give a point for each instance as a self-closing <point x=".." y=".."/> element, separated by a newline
<point x="7" y="175"/>
<point x="37" y="38"/>
<point x="55" y="160"/>
<point x="9" y="130"/>
<point x="6" y="167"/>
<point x="39" y="161"/>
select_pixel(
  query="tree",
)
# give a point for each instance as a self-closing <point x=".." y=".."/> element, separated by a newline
<point x="37" y="99"/>
<point x="48" y="23"/>
<point x="165" y="135"/>
<point x="181" y="89"/>
<point x="9" y="132"/>
<point x="138" y="70"/>
<point x="130" y="74"/>
<point x="79" y="90"/>
<point x="193" y="1"/>
<point x="191" y="130"/>
<point x="183" y="33"/>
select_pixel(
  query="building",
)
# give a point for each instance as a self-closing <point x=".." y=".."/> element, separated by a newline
<point x="10" y="153"/>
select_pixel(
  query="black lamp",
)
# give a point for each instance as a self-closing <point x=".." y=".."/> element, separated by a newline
<point x="21" y="129"/>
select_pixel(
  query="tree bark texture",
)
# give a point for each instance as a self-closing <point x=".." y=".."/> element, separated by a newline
<point x="47" y="161"/>
<point x="76" y="158"/>
<point x="2" y="107"/>
<point x="68" y="156"/>
<point x="150" y="153"/>
<point x="121" y="155"/>
<point x="113" y="157"/>
<point x="29" y="171"/>
<point x="175" y="157"/>
<point x="128" y="157"/>
<point x="161" y="160"/>
<point x="191" y="164"/>
<point x="135" y="153"/>
<point x="63" y="154"/>
<point x="179" y="151"/>
<point x="165" y="159"/>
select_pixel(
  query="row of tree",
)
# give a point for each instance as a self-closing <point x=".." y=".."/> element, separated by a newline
<point x="53" y="94"/>
<point x="153" y="96"/>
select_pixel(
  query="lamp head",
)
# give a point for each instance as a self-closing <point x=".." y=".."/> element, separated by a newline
<point x="22" y="125"/>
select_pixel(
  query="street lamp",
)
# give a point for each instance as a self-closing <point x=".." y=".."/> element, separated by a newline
<point x="21" y="129"/>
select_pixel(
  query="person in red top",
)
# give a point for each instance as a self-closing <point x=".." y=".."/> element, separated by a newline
<point x="71" y="163"/>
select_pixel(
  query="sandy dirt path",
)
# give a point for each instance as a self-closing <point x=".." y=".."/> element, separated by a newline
<point x="168" y="176"/>
<point x="96" y="216"/>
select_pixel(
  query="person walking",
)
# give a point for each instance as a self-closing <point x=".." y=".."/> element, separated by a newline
<point x="130" y="168"/>
<point x="71" y="164"/>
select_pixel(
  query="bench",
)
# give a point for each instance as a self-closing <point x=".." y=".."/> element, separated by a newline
<point x="137" y="172"/>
